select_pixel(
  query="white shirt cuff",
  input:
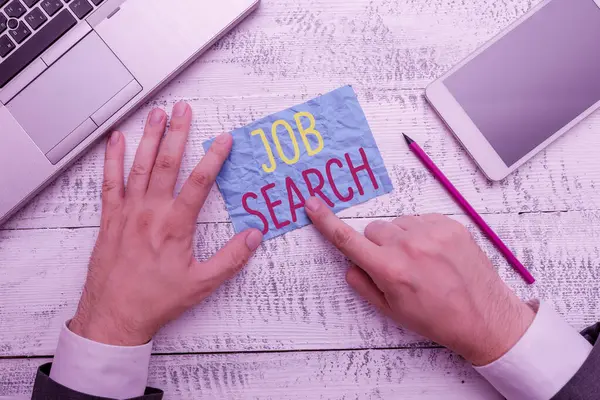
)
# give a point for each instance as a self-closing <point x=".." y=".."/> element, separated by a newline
<point x="99" y="369"/>
<point x="542" y="362"/>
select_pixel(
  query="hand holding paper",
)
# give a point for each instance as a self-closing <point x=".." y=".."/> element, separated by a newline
<point x="321" y="148"/>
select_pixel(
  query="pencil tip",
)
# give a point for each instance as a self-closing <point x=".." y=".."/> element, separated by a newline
<point x="409" y="141"/>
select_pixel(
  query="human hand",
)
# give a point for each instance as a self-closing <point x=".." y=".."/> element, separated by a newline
<point x="142" y="273"/>
<point x="428" y="275"/>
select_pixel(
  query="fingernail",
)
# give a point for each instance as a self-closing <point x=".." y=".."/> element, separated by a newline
<point x="254" y="239"/>
<point x="180" y="109"/>
<point x="156" y="116"/>
<point x="114" y="138"/>
<point x="222" y="138"/>
<point x="313" y="204"/>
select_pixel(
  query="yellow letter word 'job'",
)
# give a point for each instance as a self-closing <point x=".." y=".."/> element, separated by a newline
<point x="304" y="132"/>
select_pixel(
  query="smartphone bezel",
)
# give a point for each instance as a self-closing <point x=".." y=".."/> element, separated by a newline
<point x="465" y="130"/>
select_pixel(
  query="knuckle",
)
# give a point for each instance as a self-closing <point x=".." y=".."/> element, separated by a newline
<point x="111" y="225"/>
<point x="205" y="284"/>
<point x="372" y="227"/>
<point x="397" y="220"/>
<point x="445" y="230"/>
<point x="342" y="236"/>
<point x="169" y="229"/>
<point x="394" y="277"/>
<point x="441" y="232"/>
<point x="416" y="248"/>
<point x="201" y="286"/>
<point x="436" y="217"/>
<point x="165" y="162"/>
<point x="229" y="264"/>
<point x="145" y="220"/>
<point x="178" y="126"/>
<point x="353" y="276"/>
<point x="440" y="235"/>
<point x="236" y="260"/>
<point x="405" y="220"/>
<point x="110" y="210"/>
<point x="456" y="230"/>
<point x="109" y="185"/>
<point x="139" y="170"/>
<point x="201" y="179"/>
<point x="219" y="150"/>
<point x="177" y="229"/>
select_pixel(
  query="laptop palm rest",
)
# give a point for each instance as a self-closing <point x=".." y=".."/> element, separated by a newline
<point x="74" y="96"/>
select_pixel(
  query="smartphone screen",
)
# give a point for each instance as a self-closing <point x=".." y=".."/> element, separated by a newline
<point x="535" y="80"/>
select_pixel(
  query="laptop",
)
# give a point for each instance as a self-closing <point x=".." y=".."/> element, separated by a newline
<point x="72" y="69"/>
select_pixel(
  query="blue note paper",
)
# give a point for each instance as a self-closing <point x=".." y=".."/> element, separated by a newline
<point x="321" y="148"/>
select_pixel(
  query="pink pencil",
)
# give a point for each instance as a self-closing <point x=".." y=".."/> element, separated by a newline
<point x="439" y="175"/>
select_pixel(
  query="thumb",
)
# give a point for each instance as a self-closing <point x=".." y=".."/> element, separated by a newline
<point x="362" y="284"/>
<point x="228" y="261"/>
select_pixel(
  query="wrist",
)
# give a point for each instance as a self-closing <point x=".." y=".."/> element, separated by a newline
<point x="107" y="331"/>
<point x="499" y="333"/>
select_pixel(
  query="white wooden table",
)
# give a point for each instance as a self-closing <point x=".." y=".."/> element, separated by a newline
<point x="288" y="327"/>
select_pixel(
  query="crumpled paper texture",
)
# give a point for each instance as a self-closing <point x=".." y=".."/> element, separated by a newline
<point x="344" y="129"/>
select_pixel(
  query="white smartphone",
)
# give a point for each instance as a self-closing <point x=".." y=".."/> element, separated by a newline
<point x="526" y="87"/>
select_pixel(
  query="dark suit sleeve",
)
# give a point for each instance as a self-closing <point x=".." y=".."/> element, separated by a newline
<point x="585" y="385"/>
<point x="46" y="389"/>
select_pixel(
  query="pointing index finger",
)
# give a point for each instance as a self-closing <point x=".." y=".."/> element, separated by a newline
<point x="355" y="246"/>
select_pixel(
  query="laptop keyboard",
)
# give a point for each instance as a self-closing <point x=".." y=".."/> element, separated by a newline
<point x="29" y="27"/>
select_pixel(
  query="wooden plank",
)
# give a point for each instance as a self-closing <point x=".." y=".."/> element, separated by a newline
<point x="292" y="295"/>
<point x="370" y="374"/>
<point x="379" y="44"/>
<point x="289" y="52"/>
<point x="564" y="177"/>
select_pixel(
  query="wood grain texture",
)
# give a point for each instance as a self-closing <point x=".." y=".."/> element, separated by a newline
<point x="292" y="295"/>
<point x="344" y="375"/>
<point x="289" y="52"/>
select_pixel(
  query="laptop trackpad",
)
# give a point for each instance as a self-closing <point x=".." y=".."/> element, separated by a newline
<point x="69" y="92"/>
